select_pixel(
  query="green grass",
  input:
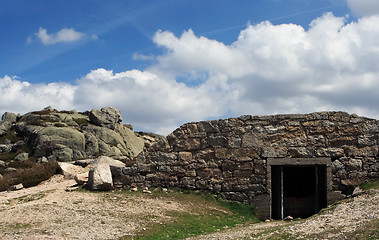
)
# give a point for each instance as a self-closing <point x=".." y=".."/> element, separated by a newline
<point x="19" y="226"/>
<point x="209" y="214"/>
<point x="369" y="231"/>
<point x="370" y="185"/>
<point x="30" y="197"/>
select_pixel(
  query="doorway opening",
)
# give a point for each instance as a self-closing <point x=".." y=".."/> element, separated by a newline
<point x="298" y="190"/>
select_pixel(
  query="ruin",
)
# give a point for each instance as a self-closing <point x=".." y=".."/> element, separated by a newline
<point x="282" y="164"/>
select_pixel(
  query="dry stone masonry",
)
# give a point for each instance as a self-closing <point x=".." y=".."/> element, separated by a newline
<point x="281" y="164"/>
<point x="234" y="157"/>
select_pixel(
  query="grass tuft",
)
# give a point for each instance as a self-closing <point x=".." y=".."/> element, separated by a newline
<point x="370" y="185"/>
<point x="211" y="214"/>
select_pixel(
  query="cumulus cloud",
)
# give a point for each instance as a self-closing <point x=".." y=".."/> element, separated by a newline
<point x="285" y="68"/>
<point x="147" y="100"/>
<point x="21" y="96"/>
<point x="364" y="7"/>
<point x="269" y="69"/>
<point x="64" y="35"/>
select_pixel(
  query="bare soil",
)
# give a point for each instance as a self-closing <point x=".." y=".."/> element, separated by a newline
<point x="48" y="211"/>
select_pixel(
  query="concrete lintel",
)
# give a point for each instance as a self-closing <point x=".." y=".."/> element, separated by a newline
<point x="298" y="161"/>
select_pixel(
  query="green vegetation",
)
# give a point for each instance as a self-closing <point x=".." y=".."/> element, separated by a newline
<point x="29" y="174"/>
<point x="9" y="135"/>
<point x="19" y="226"/>
<point x="208" y="214"/>
<point x="370" y="185"/>
<point x="29" y="198"/>
<point x="369" y="231"/>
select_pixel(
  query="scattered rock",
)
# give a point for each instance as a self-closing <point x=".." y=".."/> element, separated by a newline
<point x="288" y="218"/>
<point x="134" y="189"/>
<point x="2" y="164"/>
<point x="100" y="177"/>
<point x="72" y="188"/>
<point x="17" y="187"/>
<point x="22" y="157"/>
<point x="69" y="170"/>
<point x="357" y="191"/>
<point x="82" y="178"/>
<point x="83" y="162"/>
<point x="42" y="160"/>
<point x="10" y="169"/>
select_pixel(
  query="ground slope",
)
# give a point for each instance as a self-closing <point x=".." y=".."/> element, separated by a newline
<point x="48" y="211"/>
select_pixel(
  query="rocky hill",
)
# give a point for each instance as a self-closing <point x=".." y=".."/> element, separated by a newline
<point x="66" y="135"/>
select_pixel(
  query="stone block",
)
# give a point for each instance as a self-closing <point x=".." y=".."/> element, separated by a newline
<point x="274" y="152"/>
<point x="185" y="157"/>
<point x="187" y="144"/>
<point x="204" y="172"/>
<point x="217" y="141"/>
<point x="188" y="182"/>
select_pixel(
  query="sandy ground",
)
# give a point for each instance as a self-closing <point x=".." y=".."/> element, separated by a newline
<point x="48" y="211"/>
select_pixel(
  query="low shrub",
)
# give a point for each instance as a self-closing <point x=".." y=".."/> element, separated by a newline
<point x="30" y="174"/>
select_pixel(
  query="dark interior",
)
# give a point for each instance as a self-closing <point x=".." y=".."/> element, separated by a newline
<point x="298" y="191"/>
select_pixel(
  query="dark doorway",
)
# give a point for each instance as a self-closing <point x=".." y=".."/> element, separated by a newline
<point x="297" y="190"/>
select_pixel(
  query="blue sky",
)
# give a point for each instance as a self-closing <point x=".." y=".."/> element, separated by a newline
<point x="164" y="63"/>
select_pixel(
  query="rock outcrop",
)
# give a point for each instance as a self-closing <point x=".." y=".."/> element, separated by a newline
<point x="69" y="135"/>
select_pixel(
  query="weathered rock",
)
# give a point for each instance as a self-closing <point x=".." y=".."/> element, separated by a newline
<point x="357" y="191"/>
<point x="108" y="160"/>
<point x="17" y="187"/>
<point x="69" y="135"/>
<point x="2" y="164"/>
<point x="59" y="143"/>
<point x="109" y="142"/>
<point x="9" y="117"/>
<point x="10" y="169"/>
<point x="100" y="177"/>
<point x="7" y="121"/>
<point x="81" y="178"/>
<point x="105" y="117"/>
<point x="42" y="160"/>
<point x="5" y="148"/>
<point x="22" y="157"/>
<point x="69" y="170"/>
<point x="83" y="162"/>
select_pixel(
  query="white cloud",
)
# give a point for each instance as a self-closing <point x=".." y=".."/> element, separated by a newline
<point x="269" y="69"/>
<point x="285" y="68"/>
<point x="94" y="37"/>
<point x="364" y="7"/>
<point x="20" y="97"/>
<point x="138" y="56"/>
<point x="64" y="35"/>
<point x="148" y="101"/>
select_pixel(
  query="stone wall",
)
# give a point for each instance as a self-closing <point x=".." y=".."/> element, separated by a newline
<point x="229" y="156"/>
